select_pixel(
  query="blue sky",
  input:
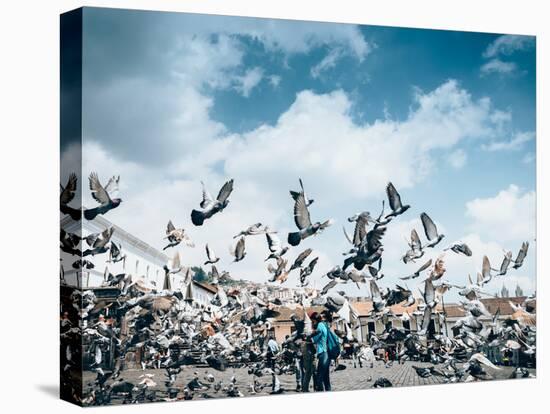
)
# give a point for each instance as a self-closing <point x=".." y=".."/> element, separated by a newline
<point x="449" y="117"/>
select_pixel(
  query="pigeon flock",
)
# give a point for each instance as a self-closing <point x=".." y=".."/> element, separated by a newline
<point x="171" y="333"/>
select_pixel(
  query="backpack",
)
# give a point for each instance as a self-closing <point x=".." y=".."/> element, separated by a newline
<point x="333" y="344"/>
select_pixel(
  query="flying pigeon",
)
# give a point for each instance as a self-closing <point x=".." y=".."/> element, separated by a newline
<point x="416" y="251"/>
<point x="115" y="254"/>
<point x="296" y="194"/>
<point x="417" y="272"/>
<point x="395" y="202"/>
<point x="303" y="222"/>
<point x="209" y="206"/>
<point x="460" y="248"/>
<point x="521" y="255"/>
<point x="253" y="230"/>
<point x="176" y="236"/>
<point x="70" y="243"/>
<point x="102" y="196"/>
<point x="430" y="230"/>
<point x="98" y="242"/>
<point x="505" y="264"/>
<point x="67" y="195"/>
<point x="238" y="251"/>
<point x="275" y="246"/>
<point x="299" y="261"/>
<point x="212" y="258"/>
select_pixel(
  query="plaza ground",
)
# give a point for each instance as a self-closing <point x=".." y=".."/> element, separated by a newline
<point x="400" y="375"/>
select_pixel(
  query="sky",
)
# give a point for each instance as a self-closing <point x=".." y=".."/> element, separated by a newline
<point x="170" y="99"/>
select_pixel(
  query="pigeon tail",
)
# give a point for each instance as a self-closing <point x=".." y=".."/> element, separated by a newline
<point x="294" y="238"/>
<point x="90" y="214"/>
<point x="197" y="217"/>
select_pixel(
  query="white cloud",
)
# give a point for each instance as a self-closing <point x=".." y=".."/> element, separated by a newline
<point x="516" y="143"/>
<point x="529" y="158"/>
<point x="274" y="81"/>
<point x="498" y="66"/>
<point x="327" y="63"/>
<point x="333" y="151"/>
<point x="199" y="60"/>
<point x="508" y="44"/>
<point x="458" y="158"/>
<point x="508" y="216"/>
<point x="504" y="46"/>
<point x="251" y="78"/>
<point x="400" y="150"/>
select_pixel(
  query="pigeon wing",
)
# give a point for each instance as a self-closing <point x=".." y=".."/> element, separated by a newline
<point x="360" y="231"/>
<point x="374" y="238"/>
<point x="301" y="213"/>
<point x="374" y="290"/>
<point x="522" y="252"/>
<point x="170" y="227"/>
<point x="429" y="226"/>
<point x="98" y="192"/>
<point x="239" y="251"/>
<point x="424" y="266"/>
<point x="416" y="244"/>
<point x="67" y="194"/>
<point x="209" y="253"/>
<point x="486" y="268"/>
<point x="273" y="242"/>
<point x="466" y="249"/>
<point x="115" y="250"/>
<point x="312" y="264"/>
<point x="301" y="257"/>
<point x="112" y="184"/>
<point x="207" y="200"/>
<point x="225" y="191"/>
<point x="393" y="197"/>
<point x="429" y="291"/>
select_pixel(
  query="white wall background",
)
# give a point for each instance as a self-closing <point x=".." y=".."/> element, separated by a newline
<point x="30" y="170"/>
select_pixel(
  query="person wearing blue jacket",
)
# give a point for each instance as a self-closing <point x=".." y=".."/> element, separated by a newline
<point x="320" y="338"/>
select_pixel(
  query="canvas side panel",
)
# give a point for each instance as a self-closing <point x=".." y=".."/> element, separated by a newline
<point x="71" y="206"/>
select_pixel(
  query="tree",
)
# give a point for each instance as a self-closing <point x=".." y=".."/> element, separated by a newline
<point x="199" y="274"/>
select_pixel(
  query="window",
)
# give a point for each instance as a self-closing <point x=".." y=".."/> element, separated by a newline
<point x="431" y="329"/>
<point x="147" y="271"/>
<point x="407" y="325"/>
<point x="389" y="325"/>
<point x="371" y="327"/>
<point x="137" y="267"/>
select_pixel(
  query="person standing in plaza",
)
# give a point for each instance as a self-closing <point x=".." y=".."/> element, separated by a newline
<point x="272" y="351"/>
<point x="320" y="338"/>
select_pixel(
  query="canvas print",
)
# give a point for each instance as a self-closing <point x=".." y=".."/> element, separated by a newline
<point x="255" y="207"/>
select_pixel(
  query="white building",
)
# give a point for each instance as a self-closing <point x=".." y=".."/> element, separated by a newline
<point x="142" y="260"/>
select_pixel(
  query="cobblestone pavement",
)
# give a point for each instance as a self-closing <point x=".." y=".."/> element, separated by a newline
<point x="351" y="378"/>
